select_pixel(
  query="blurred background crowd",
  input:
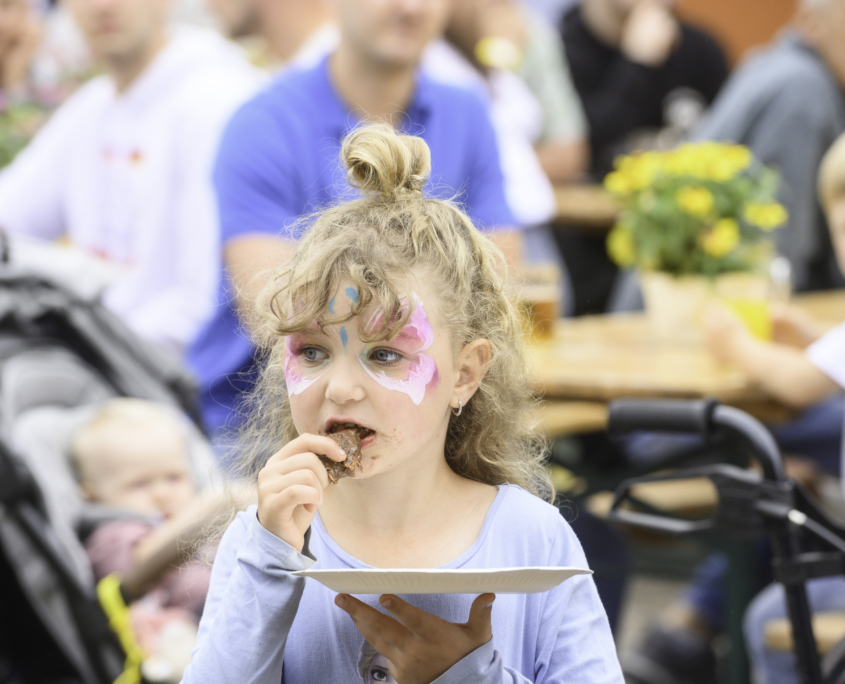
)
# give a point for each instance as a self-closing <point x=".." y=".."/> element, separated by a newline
<point x="158" y="155"/>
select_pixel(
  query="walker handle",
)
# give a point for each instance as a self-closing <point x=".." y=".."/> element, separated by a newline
<point x="662" y="415"/>
<point x="703" y="417"/>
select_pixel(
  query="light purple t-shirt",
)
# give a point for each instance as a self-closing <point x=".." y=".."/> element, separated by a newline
<point x="258" y="615"/>
<point x="828" y="355"/>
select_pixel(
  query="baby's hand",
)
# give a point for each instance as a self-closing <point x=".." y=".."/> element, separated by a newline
<point x="291" y="484"/>
<point x="420" y="646"/>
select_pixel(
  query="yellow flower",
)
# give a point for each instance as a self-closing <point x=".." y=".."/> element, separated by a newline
<point x="695" y="200"/>
<point x="739" y="156"/>
<point x="721" y="169"/>
<point x="766" y="216"/>
<point x="721" y="238"/>
<point x="617" y="183"/>
<point x="621" y="247"/>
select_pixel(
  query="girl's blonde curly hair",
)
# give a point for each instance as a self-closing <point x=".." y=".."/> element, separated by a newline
<point x="375" y="242"/>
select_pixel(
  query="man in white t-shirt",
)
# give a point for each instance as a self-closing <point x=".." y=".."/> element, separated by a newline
<point x="123" y="168"/>
<point x="805" y="367"/>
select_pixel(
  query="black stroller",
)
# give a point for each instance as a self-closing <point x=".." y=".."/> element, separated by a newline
<point x="806" y="543"/>
<point x="60" y="353"/>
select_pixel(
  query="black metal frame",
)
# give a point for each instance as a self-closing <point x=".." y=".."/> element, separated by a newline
<point x="749" y="505"/>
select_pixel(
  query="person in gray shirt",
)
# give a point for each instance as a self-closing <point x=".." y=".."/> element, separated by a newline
<point x="787" y="103"/>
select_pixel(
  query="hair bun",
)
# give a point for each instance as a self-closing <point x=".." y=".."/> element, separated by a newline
<point x="381" y="161"/>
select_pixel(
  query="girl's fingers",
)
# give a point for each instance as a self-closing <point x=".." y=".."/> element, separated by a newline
<point x="414" y="619"/>
<point x="382" y="632"/>
<point x="293" y="496"/>
<point x="480" y="623"/>
<point x="300" y="462"/>
<point x="315" y="444"/>
<point x="273" y="483"/>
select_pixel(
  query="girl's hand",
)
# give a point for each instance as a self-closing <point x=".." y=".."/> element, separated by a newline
<point x="420" y="646"/>
<point x="291" y="484"/>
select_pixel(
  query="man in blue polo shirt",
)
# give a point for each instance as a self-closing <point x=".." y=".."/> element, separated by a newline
<point x="279" y="160"/>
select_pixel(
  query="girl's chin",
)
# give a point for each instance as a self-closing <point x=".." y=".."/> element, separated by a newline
<point x="372" y="465"/>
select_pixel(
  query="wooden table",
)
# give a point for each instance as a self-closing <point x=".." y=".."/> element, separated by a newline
<point x="587" y="206"/>
<point x="600" y="358"/>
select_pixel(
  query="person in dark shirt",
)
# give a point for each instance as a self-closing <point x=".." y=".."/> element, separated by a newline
<point x="628" y="57"/>
<point x="630" y="60"/>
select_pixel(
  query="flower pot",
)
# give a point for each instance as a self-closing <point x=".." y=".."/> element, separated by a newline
<point x="675" y="305"/>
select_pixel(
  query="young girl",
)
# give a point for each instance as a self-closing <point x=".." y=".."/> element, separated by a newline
<point x="392" y="317"/>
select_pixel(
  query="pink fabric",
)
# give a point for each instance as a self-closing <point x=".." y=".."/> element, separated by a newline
<point x="148" y="622"/>
<point x="111" y="548"/>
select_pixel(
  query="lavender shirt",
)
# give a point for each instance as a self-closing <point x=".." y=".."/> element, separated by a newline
<point x="262" y="626"/>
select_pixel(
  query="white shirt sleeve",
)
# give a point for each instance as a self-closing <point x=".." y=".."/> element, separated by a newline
<point x="31" y="187"/>
<point x="828" y="354"/>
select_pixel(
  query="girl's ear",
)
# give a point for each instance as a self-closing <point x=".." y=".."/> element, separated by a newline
<point x="472" y="365"/>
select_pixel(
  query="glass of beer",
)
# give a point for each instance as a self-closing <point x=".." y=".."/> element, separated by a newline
<point x="539" y="295"/>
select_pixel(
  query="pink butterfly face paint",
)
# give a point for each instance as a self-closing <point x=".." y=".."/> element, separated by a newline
<point x="304" y="364"/>
<point x="404" y="367"/>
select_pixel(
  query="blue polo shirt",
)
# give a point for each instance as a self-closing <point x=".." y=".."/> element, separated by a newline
<point x="279" y="159"/>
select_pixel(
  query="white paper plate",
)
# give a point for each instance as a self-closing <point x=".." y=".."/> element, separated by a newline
<point x="497" y="581"/>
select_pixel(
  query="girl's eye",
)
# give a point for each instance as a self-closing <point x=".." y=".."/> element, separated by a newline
<point x="378" y="675"/>
<point x="313" y="354"/>
<point x="386" y="357"/>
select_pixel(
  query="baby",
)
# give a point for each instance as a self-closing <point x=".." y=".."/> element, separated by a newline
<point x="133" y="455"/>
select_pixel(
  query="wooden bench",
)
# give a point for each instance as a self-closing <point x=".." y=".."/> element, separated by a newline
<point x="585" y="206"/>
<point x="692" y="498"/>
<point x="562" y="418"/>
<point x="828" y="628"/>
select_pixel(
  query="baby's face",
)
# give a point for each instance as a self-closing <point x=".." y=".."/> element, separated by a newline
<point x="143" y="470"/>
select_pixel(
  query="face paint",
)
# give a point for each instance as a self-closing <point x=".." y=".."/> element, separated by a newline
<point x="352" y="293"/>
<point x="301" y="373"/>
<point x="344" y="338"/>
<point x="413" y="374"/>
<point x="331" y="306"/>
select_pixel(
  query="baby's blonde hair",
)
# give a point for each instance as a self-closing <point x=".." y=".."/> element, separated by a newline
<point x="375" y="242"/>
<point x="119" y="413"/>
<point x="831" y="180"/>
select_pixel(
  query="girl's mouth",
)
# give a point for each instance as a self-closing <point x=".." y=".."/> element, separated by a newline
<point x="366" y="435"/>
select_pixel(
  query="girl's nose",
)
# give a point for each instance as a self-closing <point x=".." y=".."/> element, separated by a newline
<point x="344" y="383"/>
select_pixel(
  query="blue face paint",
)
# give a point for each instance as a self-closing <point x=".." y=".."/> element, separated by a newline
<point x="343" y="338"/>
<point x="331" y="307"/>
<point x="352" y="293"/>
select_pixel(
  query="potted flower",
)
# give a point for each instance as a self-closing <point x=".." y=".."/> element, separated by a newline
<point x="694" y="222"/>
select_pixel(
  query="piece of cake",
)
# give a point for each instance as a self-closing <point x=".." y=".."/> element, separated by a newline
<point x="348" y="439"/>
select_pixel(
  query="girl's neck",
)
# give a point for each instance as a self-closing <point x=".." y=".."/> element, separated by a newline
<point x="420" y="516"/>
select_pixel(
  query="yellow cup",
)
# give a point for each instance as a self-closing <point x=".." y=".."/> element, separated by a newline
<point x="754" y="314"/>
